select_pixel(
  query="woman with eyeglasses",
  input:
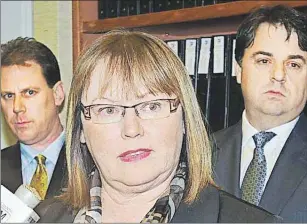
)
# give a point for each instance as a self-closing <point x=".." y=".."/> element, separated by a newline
<point x="137" y="146"/>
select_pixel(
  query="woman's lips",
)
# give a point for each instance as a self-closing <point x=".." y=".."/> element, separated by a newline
<point x="134" y="155"/>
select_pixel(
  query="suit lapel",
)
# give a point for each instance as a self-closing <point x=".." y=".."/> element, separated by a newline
<point x="289" y="170"/>
<point x="227" y="169"/>
<point x="11" y="173"/>
<point x="58" y="176"/>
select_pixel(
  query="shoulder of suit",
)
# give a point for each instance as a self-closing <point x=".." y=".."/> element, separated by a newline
<point x="232" y="208"/>
<point x="225" y="135"/>
<point x="228" y="131"/>
<point x="6" y="152"/>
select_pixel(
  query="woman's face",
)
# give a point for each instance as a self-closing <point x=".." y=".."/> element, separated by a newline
<point x="132" y="154"/>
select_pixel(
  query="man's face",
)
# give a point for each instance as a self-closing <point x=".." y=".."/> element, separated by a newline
<point x="273" y="75"/>
<point x="29" y="105"/>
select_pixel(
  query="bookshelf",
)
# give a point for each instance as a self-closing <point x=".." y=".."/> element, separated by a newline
<point x="221" y="18"/>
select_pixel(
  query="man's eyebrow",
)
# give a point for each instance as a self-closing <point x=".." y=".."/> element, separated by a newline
<point x="30" y="87"/>
<point x="22" y="90"/>
<point x="262" y="52"/>
<point x="6" y="92"/>
<point x="297" y="56"/>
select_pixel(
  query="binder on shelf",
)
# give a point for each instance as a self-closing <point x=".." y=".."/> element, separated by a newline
<point x="236" y="102"/>
<point x="178" y="47"/>
<point x="132" y="7"/>
<point x="123" y="7"/>
<point x="127" y="7"/>
<point x="192" y="3"/>
<point x="190" y="54"/>
<point x="217" y="85"/>
<point x="222" y="1"/>
<point x="174" y="4"/>
<point x="144" y="6"/>
<point x="112" y="8"/>
<point x="102" y="7"/>
<point x="229" y="54"/>
<point x="207" y="2"/>
<point x="203" y="72"/>
<point x="219" y="46"/>
<point x="159" y="5"/>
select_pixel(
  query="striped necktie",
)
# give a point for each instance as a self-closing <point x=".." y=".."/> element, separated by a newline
<point x="40" y="178"/>
<point x="254" y="179"/>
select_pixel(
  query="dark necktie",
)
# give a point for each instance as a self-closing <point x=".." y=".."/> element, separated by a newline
<point x="254" y="179"/>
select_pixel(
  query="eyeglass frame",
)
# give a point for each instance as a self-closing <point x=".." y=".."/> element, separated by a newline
<point x="86" y="110"/>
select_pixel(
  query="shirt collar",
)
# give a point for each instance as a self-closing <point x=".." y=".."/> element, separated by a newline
<point x="51" y="152"/>
<point x="248" y="130"/>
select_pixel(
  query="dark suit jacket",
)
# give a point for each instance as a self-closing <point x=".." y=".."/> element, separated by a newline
<point x="11" y="175"/>
<point x="213" y="205"/>
<point x="286" y="190"/>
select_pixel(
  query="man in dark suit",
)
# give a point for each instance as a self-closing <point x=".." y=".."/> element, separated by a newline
<point x="31" y="96"/>
<point x="263" y="158"/>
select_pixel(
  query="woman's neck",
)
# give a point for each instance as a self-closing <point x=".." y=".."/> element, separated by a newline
<point x="131" y="205"/>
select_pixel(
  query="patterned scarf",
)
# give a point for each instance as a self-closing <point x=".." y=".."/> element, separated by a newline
<point x="162" y="212"/>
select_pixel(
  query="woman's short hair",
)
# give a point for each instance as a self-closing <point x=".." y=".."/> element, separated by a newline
<point x="132" y="60"/>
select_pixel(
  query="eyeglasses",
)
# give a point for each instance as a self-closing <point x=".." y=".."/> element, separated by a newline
<point x="108" y="113"/>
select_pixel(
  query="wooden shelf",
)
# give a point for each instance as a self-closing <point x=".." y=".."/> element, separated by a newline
<point x="223" y="18"/>
<point x="187" y="15"/>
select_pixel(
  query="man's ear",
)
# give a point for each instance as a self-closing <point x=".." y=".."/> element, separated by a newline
<point x="58" y="93"/>
<point x="82" y="138"/>
<point x="238" y="72"/>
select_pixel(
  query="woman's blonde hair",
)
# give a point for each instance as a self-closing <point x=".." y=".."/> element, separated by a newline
<point x="132" y="60"/>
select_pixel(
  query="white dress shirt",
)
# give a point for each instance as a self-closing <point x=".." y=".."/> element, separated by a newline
<point x="271" y="150"/>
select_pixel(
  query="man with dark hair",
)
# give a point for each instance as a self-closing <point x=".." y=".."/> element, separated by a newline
<point x="31" y="97"/>
<point x="263" y="158"/>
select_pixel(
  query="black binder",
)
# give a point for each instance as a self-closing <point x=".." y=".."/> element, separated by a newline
<point x="203" y="73"/>
<point x="112" y="8"/>
<point x="123" y="7"/>
<point x="190" y="59"/>
<point x="174" y="4"/>
<point x="222" y="1"/>
<point x="207" y="2"/>
<point x="132" y="7"/>
<point x="236" y="101"/>
<point x="193" y="3"/>
<point x="217" y="85"/>
<point x="178" y="47"/>
<point x="144" y="6"/>
<point x="102" y="7"/>
<point x="159" y="5"/>
<point x="127" y="7"/>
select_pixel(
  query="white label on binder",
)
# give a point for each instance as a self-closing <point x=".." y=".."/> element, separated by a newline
<point x="190" y="54"/>
<point x="174" y="46"/>
<point x="233" y="72"/>
<point x="204" y="55"/>
<point x="218" y="53"/>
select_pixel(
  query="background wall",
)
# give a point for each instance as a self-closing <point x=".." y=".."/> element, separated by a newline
<point x="50" y="22"/>
<point x="53" y="26"/>
<point x="16" y="20"/>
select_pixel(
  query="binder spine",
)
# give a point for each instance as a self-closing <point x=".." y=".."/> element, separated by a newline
<point x="190" y="58"/>
<point x="210" y="73"/>
<point x="228" y="71"/>
<point x="196" y="64"/>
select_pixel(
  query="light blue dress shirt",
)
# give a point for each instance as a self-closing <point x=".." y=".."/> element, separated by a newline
<point x="29" y="164"/>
